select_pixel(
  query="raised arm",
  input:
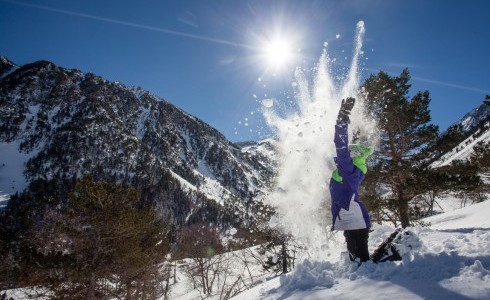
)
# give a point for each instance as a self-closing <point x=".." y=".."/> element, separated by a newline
<point x="341" y="139"/>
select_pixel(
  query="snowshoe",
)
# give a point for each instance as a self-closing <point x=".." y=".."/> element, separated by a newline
<point x="398" y="244"/>
<point x="387" y="251"/>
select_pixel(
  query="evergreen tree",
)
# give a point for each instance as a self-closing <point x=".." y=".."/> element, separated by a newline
<point x="404" y="131"/>
<point x="448" y="141"/>
<point x="280" y="251"/>
<point x="481" y="155"/>
<point x="460" y="177"/>
<point x="277" y="250"/>
<point x="103" y="245"/>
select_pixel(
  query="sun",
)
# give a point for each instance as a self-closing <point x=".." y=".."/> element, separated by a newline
<point x="276" y="49"/>
<point x="278" y="53"/>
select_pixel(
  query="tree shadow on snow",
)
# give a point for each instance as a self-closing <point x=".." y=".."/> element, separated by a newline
<point x="463" y="230"/>
<point x="423" y="275"/>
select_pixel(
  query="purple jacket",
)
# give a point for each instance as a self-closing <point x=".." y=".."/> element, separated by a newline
<point x="348" y="211"/>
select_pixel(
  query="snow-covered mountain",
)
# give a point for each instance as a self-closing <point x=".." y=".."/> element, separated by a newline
<point x="57" y="123"/>
<point x="264" y="151"/>
<point x="464" y="150"/>
<point x="472" y="119"/>
<point x="472" y="129"/>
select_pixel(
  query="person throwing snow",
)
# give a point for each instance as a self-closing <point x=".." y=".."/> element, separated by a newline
<point x="349" y="214"/>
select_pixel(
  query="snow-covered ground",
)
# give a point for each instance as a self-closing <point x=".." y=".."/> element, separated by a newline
<point x="12" y="164"/>
<point x="4" y="198"/>
<point x="449" y="260"/>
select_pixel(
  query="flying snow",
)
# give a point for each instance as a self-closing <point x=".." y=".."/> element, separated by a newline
<point x="268" y="103"/>
<point x="301" y="195"/>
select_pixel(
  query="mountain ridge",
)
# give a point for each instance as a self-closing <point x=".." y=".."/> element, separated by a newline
<point x="66" y="123"/>
<point x="462" y="136"/>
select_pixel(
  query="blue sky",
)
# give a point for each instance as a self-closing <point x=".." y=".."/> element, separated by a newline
<point x="206" y="57"/>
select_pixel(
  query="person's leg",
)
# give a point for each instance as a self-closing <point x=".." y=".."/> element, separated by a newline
<point x="351" y="244"/>
<point x="362" y="236"/>
<point x="357" y="244"/>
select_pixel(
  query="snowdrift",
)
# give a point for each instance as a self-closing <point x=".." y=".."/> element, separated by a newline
<point x="449" y="260"/>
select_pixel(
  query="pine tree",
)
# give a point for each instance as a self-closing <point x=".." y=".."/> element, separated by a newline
<point x="280" y="251"/>
<point x="404" y="131"/>
<point x="481" y="155"/>
<point x="102" y="244"/>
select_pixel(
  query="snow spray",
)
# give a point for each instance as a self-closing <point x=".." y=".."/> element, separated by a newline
<point x="306" y="149"/>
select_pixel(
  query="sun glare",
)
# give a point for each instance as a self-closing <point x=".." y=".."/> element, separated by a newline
<point x="278" y="53"/>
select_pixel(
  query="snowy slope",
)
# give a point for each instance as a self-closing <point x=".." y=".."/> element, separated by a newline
<point x="475" y="125"/>
<point x="264" y="150"/>
<point x="474" y="117"/>
<point x="463" y="151"/>
<point x="450" y="260"/>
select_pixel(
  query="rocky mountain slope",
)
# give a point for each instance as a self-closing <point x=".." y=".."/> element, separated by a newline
<point x="57" y="123"/>
<point x="459" y="140"/>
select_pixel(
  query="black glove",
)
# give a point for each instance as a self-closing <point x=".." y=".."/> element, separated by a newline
<point x="345" y="108"/>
